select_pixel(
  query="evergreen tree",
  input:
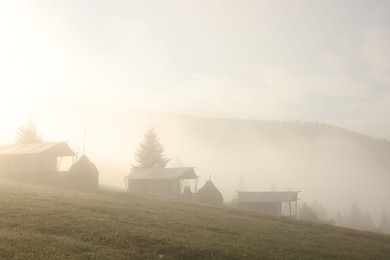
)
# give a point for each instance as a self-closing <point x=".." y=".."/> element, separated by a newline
<point x="28" y="134"/>
<point x="384" y="225"/>
<point x="341" y="220"/>
<point x="369" y="223"/>
<point x="359" y="220"/>
<point x="150" y="152"/>
<point x="356" y="217"/>
<point x="320" y="211"/>
<point x="307" y="213"/>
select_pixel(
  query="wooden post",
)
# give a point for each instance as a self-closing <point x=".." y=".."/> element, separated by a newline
<point x="181" y="185"/>
<point x="127" y="189"/>
<point x="85" y="134"/>
<point x="196" y="184"/>
<point x="59" y="163"/>
<point x="289" y="206"/>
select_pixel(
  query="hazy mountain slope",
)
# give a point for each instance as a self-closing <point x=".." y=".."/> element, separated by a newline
<point x="326" y="163"/>
<point x="39" y="222"/>
<point x="333" y="165"/>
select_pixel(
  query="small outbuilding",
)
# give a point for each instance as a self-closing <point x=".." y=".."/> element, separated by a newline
<point x="33" y="161"/>
<point x="209" y="194"/>
<point x="268" y="202"/>
<point x="160" y="181"/>
<point x="83" y="174"/>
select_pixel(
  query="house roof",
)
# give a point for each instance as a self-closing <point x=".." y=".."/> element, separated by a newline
<point x="162" y="173"/>
<point x="266" y="196"/>
<point x="55" y="148"/>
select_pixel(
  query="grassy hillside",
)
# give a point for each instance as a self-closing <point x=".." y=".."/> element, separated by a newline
<point x="43" y="222"/>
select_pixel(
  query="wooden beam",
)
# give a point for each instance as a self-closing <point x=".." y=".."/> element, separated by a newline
<point x="196" y="184"/>
<point x="59" y="163"/>
<point x="127" y="189"/>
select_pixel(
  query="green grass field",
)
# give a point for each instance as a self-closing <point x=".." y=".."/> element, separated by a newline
<point x="50" y="223"/>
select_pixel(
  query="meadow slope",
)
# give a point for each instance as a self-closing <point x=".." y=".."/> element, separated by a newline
<point x="54" y="223"/>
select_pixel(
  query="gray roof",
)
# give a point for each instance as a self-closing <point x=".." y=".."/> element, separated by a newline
<point x="266" y="196"/>
<point x="162" y="173"/>
<point x="55" y="148"/>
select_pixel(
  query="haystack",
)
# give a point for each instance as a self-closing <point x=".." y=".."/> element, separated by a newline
<point x="83" y="174"/>
<point x="209" y="194"/>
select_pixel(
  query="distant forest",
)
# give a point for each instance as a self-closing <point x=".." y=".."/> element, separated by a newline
<point x="279" y="131"/>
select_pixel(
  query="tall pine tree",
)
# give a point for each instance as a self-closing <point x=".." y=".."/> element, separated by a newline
<point x="150" y="152"/>
<point x="28" y="134"/>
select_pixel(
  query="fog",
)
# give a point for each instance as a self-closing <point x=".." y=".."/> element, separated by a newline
<point x="331" y="165"/>
<point x="185" y="68"/>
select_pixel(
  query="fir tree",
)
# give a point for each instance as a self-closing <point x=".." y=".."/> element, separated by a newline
<point x="356" y="217"/>
<point x="384" y="224"/>
<point x="28" y="134"/>
<point x="307" y="213"/>
<point x="150" y="152"/>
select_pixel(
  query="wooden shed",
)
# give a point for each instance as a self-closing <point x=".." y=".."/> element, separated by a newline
<point x="35" y="161"/>
<point x="268" y="202"/>
<point x="160" y="181"/>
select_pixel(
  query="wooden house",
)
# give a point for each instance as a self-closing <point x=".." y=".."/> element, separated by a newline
<point x="34" y="161"/>
<point x="268" y="202"/>
<point x="160" y="181"/>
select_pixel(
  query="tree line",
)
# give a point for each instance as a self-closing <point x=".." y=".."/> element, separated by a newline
<point x="355" y="218"/>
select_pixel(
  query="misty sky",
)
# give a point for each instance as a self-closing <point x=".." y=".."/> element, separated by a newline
<point x="325" y="61"/>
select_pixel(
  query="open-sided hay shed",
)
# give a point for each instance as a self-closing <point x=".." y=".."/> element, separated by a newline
<point x="268" y="202"/>
<point x="159" y="181"/>
<point x="34" y="161"/>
